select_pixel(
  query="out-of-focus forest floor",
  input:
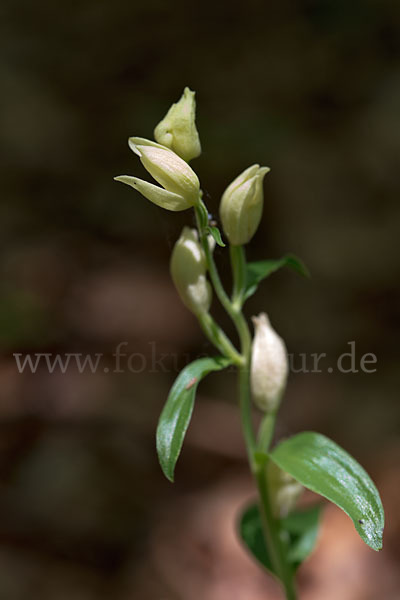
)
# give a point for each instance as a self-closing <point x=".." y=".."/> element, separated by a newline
<point x="85" y="512"/>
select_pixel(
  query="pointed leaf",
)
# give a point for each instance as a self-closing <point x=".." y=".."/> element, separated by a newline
<point x="175" y="417"/>
<point x="301" y="529"/>
<point x="323" y="467"/>
<point x="215" y="232"/>
<point x="257" y="271"/>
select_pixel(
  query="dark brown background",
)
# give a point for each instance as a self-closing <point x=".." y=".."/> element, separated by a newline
<point x="309" y="88"/>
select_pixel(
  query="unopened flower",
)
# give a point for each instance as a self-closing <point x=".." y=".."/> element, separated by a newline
<point x="284" y="491"/>
<point x="178" y="130"/>
<point x="269" y="365"/>
<point x="242" y="205"/>
<point x="188" y="270"/>
<point x="180" y="184"/>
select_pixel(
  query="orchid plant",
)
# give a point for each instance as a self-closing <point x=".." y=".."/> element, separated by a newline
<point x="277" y="534"/>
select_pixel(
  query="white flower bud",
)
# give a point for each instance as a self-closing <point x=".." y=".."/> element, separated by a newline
<point x="181" y="186"/>
<point x="284" y="491"/>
<point x="242" y="205"/>
<point x="269" y="365"/>
<point x="178" y="130"/>
<point x="188" y="270"/>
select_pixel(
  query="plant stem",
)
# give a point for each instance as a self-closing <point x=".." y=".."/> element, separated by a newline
<point x="238" y="262"/>
<point x="258" y="464"/>
<point x="233" y="311"/>
<point x="257" y="454"/>
<point x="216" y="281"/>
<point x="271" y="530"/>
<point x="219" y="339"/>
<point x="245" y="414"/>
<point x="258" y="460"/>
<point x="266" y="432"/>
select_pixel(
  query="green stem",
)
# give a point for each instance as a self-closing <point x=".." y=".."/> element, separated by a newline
<point x="233" y="311"/>
<point x="271" y="530"/>
<point x="212" y="269"/>
<point x="245" y="414"/>
<point x="219" y="339"/>
<point x="238" y="262"/>
<point x="266" y="432"/>
<point x="258" y="464"/>
<point x="258" y="460"/>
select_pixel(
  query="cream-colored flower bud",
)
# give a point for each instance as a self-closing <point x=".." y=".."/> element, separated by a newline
<point x="242" y="205"/>
<point x="178" y="130"/>
<point x="180" y="185"/>
<point x="269" y="365"/>
<point x="188" y="270"/>
<point x="284" y="490"/>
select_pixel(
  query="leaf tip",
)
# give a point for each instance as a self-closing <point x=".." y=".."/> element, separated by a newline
<point x="168" y="472"/>
<point x="298" y="265"/>
<point x="370" y="534"/>
<point x="216" y="234"/>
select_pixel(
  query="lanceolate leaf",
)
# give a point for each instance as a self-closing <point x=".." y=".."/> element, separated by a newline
<point x="257" y="271"/>
<point x="176" y="414"/>
<point x="323" y="467"/>
<point x="215" y="232"/>
<point x="301" y="528"/>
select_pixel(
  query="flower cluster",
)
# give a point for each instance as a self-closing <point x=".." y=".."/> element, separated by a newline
<point x="166" y="160"/>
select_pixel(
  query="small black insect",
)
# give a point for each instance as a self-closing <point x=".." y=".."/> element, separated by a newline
<point x="361" y="521"/>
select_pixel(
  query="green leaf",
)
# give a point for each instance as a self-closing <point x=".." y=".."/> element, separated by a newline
<point x="175" y="417"/>
<point x="303" y="530"/>
<point x="257" y="271"/>
<point x="323" y="467"/>
<point x="300" y="528"/>
<point x="251" y="532"/>
<point x="215" y="232"/>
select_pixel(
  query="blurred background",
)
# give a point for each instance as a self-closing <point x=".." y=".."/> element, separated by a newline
<point x="310" y="88"/>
